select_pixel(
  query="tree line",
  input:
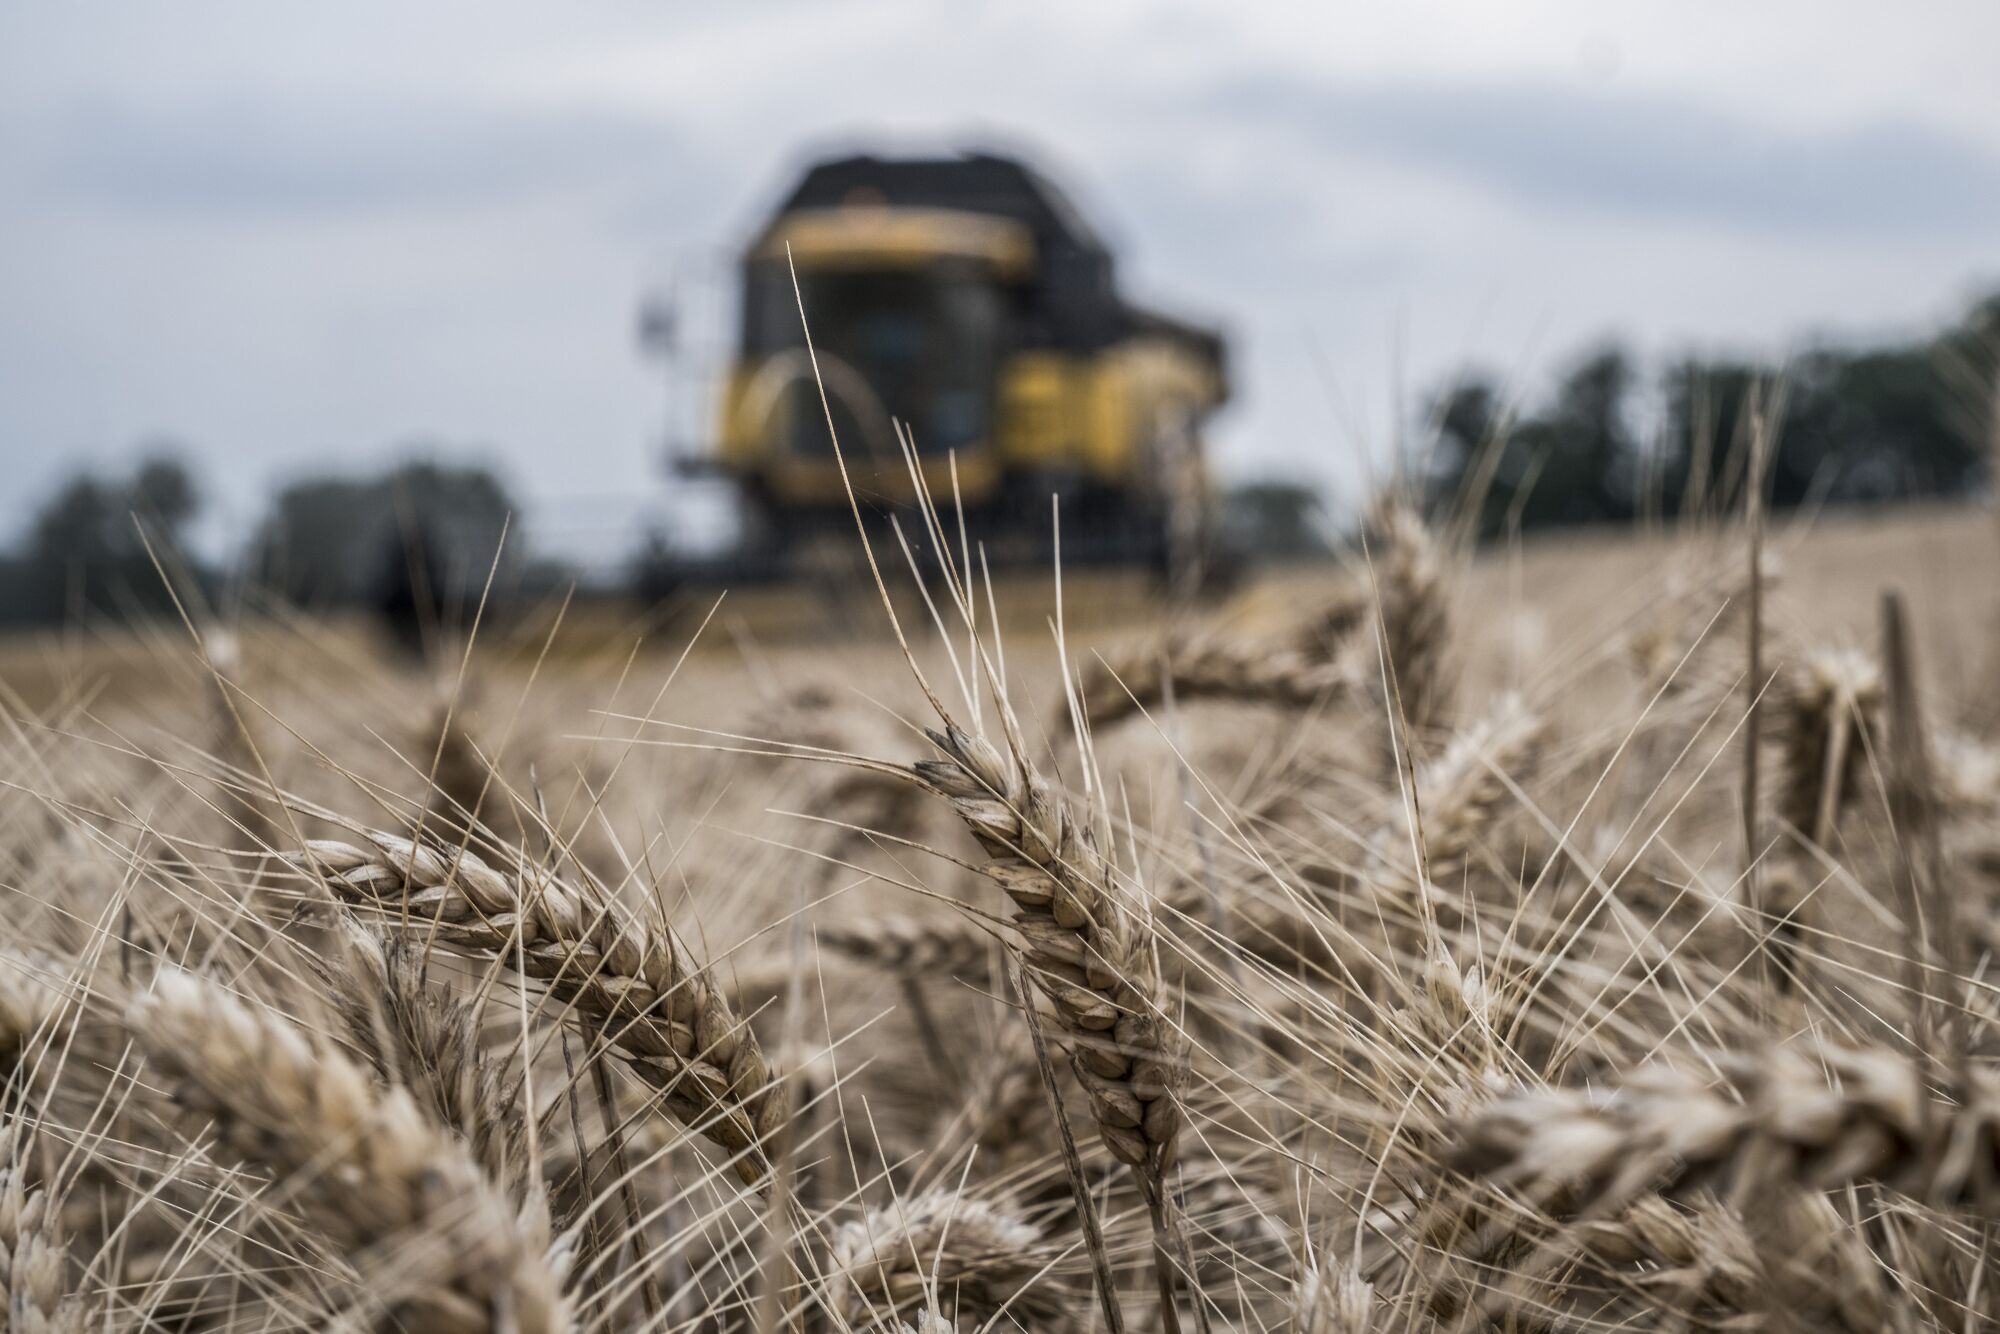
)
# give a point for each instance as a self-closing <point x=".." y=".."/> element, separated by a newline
<point x="1610" y="443"/>
<point x="120" y="545"/>
<point x="1843" y="425"/>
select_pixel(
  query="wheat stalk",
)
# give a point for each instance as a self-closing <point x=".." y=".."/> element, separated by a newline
<point x="363" y="1164"/>
<point x="629" y="976"/>
<point x="1333" y="1298"/>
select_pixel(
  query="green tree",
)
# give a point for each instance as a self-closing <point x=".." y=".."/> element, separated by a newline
<point x="1466" y="419"/>
<point x="1275" y="518"/>
<point x="85" y="556"/>
<point x="343" y="541"/>
<point x="1575" y="462"/>
<point x="1852" y="424"/>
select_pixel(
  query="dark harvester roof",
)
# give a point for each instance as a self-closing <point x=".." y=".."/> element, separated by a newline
<point x="974" y="182"/>
<point x="1081" y="301"/>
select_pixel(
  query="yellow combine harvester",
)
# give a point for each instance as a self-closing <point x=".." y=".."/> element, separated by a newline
<point x="965" y="300"/>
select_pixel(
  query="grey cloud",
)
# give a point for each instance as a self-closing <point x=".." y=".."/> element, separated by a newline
<point x="292" y="156"/>
<point x="1633" y="155"/>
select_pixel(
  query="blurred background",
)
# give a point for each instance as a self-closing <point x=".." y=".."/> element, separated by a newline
<point x="328" y="295"/>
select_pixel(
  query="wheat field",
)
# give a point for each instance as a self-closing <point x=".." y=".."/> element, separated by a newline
<point x="1574" y="936"/>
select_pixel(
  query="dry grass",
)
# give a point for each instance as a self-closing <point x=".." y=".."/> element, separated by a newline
<point x="1404" y="967"/>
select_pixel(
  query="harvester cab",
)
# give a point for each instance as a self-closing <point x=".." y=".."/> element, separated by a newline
<point x="964" y="300"/>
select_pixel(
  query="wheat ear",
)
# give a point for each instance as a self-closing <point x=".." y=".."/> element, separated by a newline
<point x="1333" y="1299"/>
<point x="362" y="1163"/>
<point x="943" y="1246"/>
<point x="28" y="1001"/>
<point x="1415" y="609"/>
<point x="424" y="1038"/>
<point x="463" y="784"/>
<point x="909" y="946"/>
<point x="1462" y="791"/>
<point x="1664" y="1129"/>
<point x="1700" y="1256"/>
<point x="1085" y="948"/>
<point x="1327" y="629"/>
<point x="629" y="975"/>
<point x="34" y="1262"/>
<point x="1828" y="718"/>
<point x="1005" y="1110"/>
<point x="1210" y="668"/>
<point x="1827" y="714"/>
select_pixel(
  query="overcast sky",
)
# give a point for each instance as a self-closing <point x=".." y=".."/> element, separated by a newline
<point x="294" y="236"/>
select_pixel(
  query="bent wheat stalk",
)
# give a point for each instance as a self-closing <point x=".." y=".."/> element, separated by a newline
<point x="631" y="977"/>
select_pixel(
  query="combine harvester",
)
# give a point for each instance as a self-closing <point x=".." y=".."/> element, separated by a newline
<point x="964" y="299"/>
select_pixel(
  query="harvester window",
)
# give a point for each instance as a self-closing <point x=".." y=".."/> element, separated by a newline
<point x="926" y="341"/>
